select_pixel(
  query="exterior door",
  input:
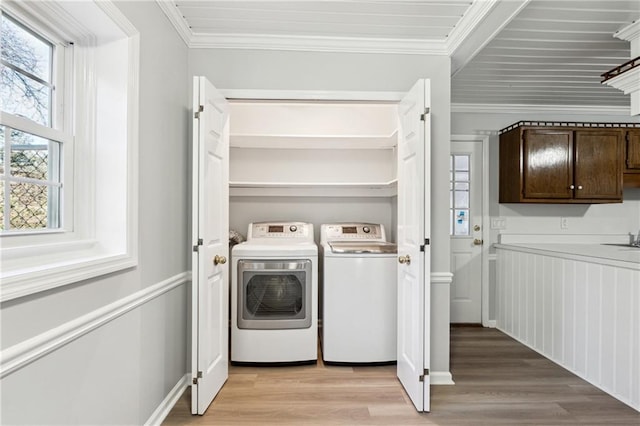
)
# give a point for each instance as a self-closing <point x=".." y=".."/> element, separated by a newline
<point x="414" y="252"/>
<point x="210" y="286"/>
<point x="465" y="229"/>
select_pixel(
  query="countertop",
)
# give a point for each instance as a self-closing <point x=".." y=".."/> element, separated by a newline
<point x="625" y="257"/>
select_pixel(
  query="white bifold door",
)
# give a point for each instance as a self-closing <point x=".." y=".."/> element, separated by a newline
<point x="413" y="244"/>
<point x="210" y="269"/>
<point x="210" y="243"/>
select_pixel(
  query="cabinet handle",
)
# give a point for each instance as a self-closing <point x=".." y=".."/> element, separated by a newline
<point x="579" y="186"/>
<point x="405" y="259"/>
<point x="572" y="187"/>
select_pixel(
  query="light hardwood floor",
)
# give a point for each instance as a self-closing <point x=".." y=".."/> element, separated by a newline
<point x="498" y="382"/>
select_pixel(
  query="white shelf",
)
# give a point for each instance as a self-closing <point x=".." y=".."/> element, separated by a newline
<point x="314" y="142"/>
<point x="313" y="189"/>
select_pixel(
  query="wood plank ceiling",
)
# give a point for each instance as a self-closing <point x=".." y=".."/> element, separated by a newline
<point x="357" y="19"/>
<point x="550" y="53"/>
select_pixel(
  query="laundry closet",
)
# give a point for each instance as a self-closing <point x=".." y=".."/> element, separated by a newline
<point x="313" y="161"/>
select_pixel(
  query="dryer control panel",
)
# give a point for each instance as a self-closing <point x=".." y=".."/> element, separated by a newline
<point x="286" y="230"/>
<point x="352" y="231"/>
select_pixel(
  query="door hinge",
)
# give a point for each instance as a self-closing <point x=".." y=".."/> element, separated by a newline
<point x="426" y="373"/>
<point x="200" y="109"/>
<point x="197" y="378"/>
<point x="197" y="246"/>
<point x="423" y="117"/>
<point x="426" y="243"/>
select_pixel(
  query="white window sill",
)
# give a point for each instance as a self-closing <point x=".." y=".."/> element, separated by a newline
<point x="55" y="265"/>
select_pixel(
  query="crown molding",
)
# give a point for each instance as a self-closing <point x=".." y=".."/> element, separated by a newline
<point x="468" y="23"/>
<point x="524" y="108"/>
<point x="481" y="24"/>
<point x="318" y="44"/>
<point x="170" y="9"/>
<point x="630" y="32"/>
<point x="297" y="43"/>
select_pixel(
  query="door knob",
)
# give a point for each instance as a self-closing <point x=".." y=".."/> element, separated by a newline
<point x="405" y="259"/>
<point x="478" y="242"/>
<point x="476" y="228"/>
<point x="219" y="260"/>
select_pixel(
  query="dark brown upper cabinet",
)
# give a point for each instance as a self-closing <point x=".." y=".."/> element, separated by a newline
<point x="561" y="165"/>
<point x="632" y="158"/>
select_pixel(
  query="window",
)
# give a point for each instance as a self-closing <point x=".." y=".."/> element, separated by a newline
<point x="32" y="134"/>
<point x="459" y="196"/>
<point x="68" y="144"/>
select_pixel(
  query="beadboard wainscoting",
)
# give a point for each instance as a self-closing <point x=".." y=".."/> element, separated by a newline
<point x="582" y="315"/>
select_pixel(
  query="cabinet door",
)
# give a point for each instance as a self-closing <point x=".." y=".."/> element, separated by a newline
<point x="632" y="163"/>
<point x="598" y="165"/>
<point x="547" y="164"/>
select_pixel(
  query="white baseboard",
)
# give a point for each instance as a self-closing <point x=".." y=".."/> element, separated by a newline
<point x="168" y="402"/>
<point x="490" y="324"/>
<point x="441" y="378"/>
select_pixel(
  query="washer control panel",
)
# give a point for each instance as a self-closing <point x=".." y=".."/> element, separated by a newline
<point x="296" y="230"/>
<point x="352" y="232"/>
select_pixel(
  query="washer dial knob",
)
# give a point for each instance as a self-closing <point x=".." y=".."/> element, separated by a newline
<point x="293" y="228"/>
<point x="366" y="229"/>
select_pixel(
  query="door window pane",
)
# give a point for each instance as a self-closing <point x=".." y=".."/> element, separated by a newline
<point x="459" y="195"/>
<point x="461" y="224"/>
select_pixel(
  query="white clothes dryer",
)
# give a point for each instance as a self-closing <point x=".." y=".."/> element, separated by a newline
<point x="274" y="294"/>
<point x="359" y="294"/>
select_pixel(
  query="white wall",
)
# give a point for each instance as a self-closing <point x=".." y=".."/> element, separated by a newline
<point x="120" y="372"/>
<point x="316" y="210"/>
<point x="545" y="219"/>
<point x="272" y="70"/>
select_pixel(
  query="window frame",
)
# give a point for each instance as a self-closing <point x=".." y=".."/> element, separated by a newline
<point x="60" y="126"/>
<point x="100" y="227"/>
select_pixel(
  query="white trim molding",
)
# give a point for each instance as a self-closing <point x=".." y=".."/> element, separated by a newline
<point x="88" y="246"/>
<point x="311" y="95"/>
<point x="480" y="25"/>
<point x="170" y="9"/>
<point x="441" y="378"/>
<point x="22" y="354"/>
<point x="441" y="278"/>
<point x="167" y="404"/>
<point x="461" y="34"/>
<point x="318" y="44"/>
<point x="528" y="108"/>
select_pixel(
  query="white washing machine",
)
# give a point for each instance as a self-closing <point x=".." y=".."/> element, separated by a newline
<point x="359" y="293"/>
<point x="274" y="294"/>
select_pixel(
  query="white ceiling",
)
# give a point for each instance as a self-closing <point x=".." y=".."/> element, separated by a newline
<point x="511" y="52"/>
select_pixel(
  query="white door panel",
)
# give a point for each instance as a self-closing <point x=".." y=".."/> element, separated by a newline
<point x="413" y="252"/>
<point x="210" y="288"/>
<point x="467" y="238"/>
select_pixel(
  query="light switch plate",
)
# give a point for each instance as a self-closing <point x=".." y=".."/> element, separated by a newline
<point x="498" y="223"/>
